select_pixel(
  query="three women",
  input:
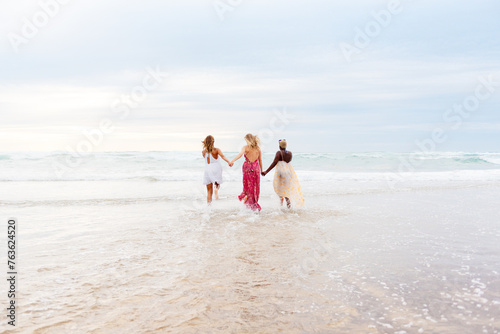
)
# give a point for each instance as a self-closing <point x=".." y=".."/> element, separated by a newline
<point x="286" y="183"/>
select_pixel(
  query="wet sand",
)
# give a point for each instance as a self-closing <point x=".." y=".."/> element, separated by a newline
<point x="414" y="260"/>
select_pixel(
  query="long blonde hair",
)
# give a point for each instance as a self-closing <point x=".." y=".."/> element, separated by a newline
<point x="208" y="143"/>
<point x="252" y="140"/>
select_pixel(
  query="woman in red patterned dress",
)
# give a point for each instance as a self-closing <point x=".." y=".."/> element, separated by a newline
<point x="252" y="167"/>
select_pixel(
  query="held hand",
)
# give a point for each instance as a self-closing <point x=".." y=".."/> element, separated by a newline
<point x="230" y="163"/>
<point x="263" y="173"/>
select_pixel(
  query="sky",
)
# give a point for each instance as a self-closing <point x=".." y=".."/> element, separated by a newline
<point x="328" y="76"/>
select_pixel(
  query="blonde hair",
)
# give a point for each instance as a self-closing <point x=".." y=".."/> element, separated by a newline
<point x="208" y="143"/>
<point x="252" y="140"/>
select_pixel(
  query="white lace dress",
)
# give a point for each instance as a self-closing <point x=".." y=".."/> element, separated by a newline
<point x="213" y="170"/>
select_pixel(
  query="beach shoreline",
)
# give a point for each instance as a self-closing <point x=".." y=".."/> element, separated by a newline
<point x="358" y="257"/>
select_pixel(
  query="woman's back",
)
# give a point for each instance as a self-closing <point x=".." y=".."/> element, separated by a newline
<point x="213" y="156"/>
<point x="285" y="156"/>
<point x="252" y="154"/>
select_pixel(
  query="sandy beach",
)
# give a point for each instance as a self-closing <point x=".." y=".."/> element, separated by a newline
<point x="377" y="121"/>
<point x="148" y="256"/>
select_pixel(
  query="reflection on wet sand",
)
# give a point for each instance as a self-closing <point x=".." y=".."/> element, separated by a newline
<point x="374" y="266"/>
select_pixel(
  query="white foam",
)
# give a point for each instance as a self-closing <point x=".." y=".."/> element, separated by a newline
<point x="188" y="166"/>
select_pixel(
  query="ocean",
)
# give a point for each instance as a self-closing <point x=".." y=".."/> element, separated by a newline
<point x="187" y="166"/>
<point x="125" y="242"/>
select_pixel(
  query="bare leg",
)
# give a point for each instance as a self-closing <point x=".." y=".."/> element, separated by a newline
<point x="216" y="190"/>
<point x="245" y="199"/>
<point x="288" y="204"/>
<point x="209" y="193"/>
<point x="281" y="200"/>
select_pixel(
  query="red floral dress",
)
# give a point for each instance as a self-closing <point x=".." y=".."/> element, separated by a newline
<point x="251" y="184"/>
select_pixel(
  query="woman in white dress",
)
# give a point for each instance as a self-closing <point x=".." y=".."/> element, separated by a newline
<point x="213" y="168"/>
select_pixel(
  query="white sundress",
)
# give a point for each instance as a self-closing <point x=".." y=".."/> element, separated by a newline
<point x="213" y="170"/>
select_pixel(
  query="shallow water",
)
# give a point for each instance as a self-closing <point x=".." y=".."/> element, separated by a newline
<point x="150" y="257"/>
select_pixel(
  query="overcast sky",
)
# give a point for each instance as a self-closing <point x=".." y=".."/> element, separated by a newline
<point x="352" y="75"/>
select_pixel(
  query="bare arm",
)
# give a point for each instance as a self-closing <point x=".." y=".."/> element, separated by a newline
<point x="260" y="161"/>
<point x="239" y="155"/>
<point x="203" y="153"/>
<point x="275" y="162"/>
<point x="222" y="156"/>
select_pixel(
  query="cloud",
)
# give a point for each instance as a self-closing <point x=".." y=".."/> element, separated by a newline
<point x="227" y="76"/>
